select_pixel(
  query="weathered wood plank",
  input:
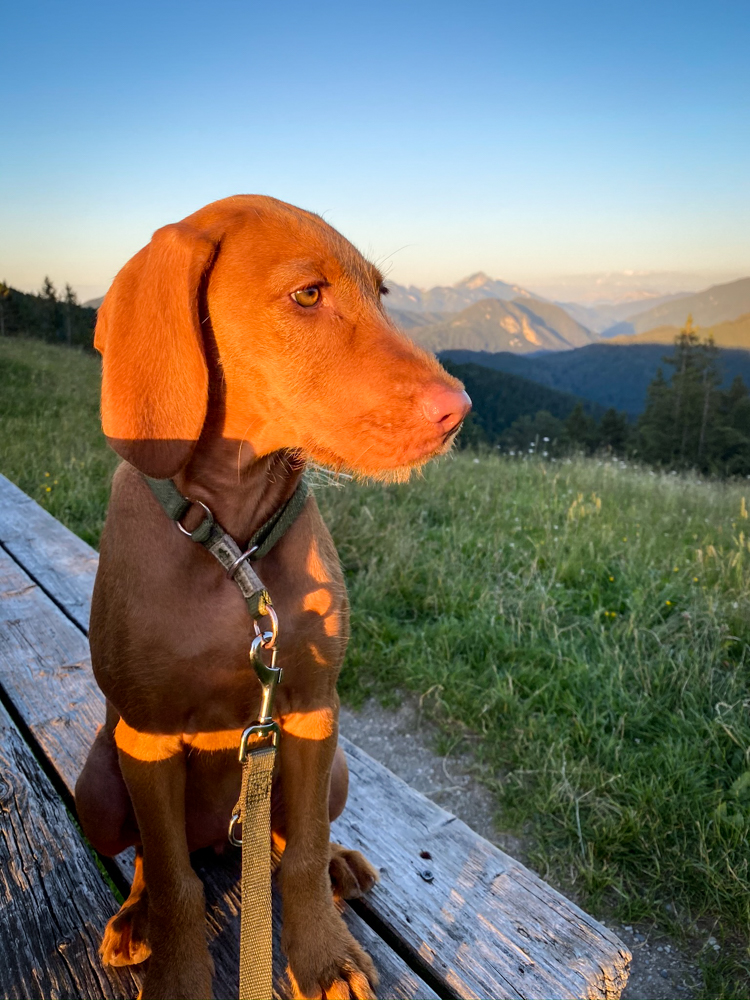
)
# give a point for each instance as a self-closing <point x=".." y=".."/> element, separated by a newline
<point x="483" y="923"/>
<point x="221" y="877"/>
<point x="51" y="554"/>
<point x="53" y="901"/>
<point x="45" y="670"/>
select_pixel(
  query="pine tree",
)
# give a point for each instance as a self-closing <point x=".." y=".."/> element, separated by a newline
<point x="4" y="296"/>
<point x="580" y="429"/>
<point x="690" y="422"/>
<point x="614" y="431"/>
<point x="71" y="299"/>
<point x="656" y="427"/>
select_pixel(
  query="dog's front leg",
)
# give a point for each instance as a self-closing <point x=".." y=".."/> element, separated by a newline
<point x="324" y="958"/>
<point x="154" y="770"/>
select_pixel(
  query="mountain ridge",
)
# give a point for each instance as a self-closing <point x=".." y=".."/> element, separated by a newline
<point x="715" y="304"/>
<point x="521" y="325"/>
<point x="732" y="333"/>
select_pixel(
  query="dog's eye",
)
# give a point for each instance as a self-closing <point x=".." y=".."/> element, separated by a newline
<point x="384" y="290"/>
<point x="307" y="296"/>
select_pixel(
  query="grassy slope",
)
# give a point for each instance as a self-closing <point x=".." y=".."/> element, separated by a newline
<point x="583" y="625"/>
<point x="51" y="444"/>
<point x="733" y="333"/>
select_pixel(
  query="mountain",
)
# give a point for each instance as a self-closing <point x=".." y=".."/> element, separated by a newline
<point x="407" y="319"/>
<point x="609" y="374"/>
<point x="714" y="305"/>
<point x="499" y="398"/>
<point x="94" y="303"/>
<point x="451" y="298"/>
<point x="521" y="326"/>
<point x="732" y="333"/>
<point x="600" y="316"/>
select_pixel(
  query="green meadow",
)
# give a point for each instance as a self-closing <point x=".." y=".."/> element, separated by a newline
<point x="582" y="625"/>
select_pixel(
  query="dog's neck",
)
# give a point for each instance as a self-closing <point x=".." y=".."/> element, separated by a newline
<point x="241" y="490"/>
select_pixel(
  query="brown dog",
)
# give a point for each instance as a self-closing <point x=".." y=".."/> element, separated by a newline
<point x="239" y="343"/>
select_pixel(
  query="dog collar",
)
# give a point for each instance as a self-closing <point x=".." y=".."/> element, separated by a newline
<point x="212" y="536"/>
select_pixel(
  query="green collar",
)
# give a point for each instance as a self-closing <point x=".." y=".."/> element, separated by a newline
<point x="223" y="547"/>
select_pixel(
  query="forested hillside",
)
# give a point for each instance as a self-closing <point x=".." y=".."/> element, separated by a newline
<point x="733" y="333"/>
<point x="499" y="399"/>
<point x="50" y="316"/>
<point x="613" y="375"/>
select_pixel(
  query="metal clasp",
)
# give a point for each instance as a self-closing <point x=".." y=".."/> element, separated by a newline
<point x="269" y="676"/>
<point x="234" y="840"/>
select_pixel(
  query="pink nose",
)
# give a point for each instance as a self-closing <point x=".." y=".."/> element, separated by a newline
<point x="446" y="407"/>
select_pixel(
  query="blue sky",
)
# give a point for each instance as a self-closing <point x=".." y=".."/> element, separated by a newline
<point x="528" y="139"/>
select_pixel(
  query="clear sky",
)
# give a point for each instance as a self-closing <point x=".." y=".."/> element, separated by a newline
<point x="523" y="139"/>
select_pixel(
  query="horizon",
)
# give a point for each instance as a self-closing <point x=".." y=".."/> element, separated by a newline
<point x="541" y="146"/>
<point x="644" y="290"/>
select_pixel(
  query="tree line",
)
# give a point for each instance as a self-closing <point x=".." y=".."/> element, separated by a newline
<point x="50" y="315"/>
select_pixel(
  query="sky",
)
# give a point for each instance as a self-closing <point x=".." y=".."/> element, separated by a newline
<point x="528" y="140"/>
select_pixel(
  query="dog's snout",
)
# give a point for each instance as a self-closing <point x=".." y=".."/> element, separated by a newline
<point x="446" y="407"/>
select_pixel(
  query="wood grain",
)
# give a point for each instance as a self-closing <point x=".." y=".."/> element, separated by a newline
<point x="483" y="923"/>
<point x="60" y="561"/>
<point x="53" y="901"/>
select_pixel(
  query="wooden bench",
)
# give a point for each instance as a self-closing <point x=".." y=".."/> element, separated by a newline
<point x="477" y="925"/>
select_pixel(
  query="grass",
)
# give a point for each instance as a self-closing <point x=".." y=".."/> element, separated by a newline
<point x="582" y="624"/>
<point x="51" y="444"/>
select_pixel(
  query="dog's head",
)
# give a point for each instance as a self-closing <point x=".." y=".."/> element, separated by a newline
<point x="271" y="308"/>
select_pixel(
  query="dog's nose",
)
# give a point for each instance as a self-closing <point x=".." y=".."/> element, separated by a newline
<point x="446" y="407"/>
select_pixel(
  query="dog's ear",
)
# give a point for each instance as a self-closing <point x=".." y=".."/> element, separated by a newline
<point x="155" y="378"/>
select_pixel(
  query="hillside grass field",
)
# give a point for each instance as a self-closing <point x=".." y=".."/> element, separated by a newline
<point x="582" y="625"/>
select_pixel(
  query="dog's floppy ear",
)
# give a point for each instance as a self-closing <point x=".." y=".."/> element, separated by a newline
<point x="155" y="378"/>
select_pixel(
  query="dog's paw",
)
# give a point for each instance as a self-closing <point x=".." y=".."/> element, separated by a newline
<point x="351" y="873"/>
<point x="329" y="964"/>
<point x="125" y="940"/>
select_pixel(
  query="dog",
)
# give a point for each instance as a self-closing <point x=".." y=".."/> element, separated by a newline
<point x="239" y="344"/>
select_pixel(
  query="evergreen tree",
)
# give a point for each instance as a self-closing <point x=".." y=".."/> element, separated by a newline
<point x="614" y="431"/>
<point x="656" y="427"/>
<point x="71" y="299"/>
<point x="690" y="422"/>
<point x="540" y="434"/>
<point x="581" y="430"/>
<point x="4" y="296"/>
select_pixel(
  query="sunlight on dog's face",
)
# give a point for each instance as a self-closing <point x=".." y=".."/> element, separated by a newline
<point x="310" y="357"/>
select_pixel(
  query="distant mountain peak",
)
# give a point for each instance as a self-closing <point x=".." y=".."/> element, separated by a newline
<point x="477" y="280"/>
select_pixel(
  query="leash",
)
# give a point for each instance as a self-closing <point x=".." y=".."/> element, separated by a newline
<point x="260" y="740"/>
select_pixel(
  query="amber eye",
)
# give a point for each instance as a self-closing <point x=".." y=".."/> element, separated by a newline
<point x="307" y="296"/>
